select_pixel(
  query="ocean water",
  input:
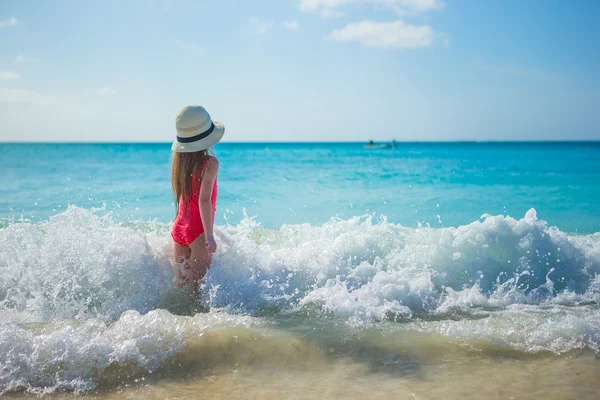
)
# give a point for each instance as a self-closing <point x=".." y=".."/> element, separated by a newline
<point x="418" y="272"/>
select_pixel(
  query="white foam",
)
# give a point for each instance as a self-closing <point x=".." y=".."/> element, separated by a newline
<point x="358" y="268"/>
<point x="66" y="286"/>
<point x="78" y="265"/>
<point x="526" y="328"/>
<point x="73" y="356"/>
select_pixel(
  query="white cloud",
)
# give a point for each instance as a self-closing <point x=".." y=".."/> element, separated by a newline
<point x="19" y="59"/>
<point x="261" y="27"/>
<point x="395" y="34"/>
<point x="291" y="25"/>
<point x="12" y="21"/>
<point x="106" y="91"/>
<point x="328" y="13"/>
<point x="189" y="47"/>
<point x="414" y="6"/>
<point x="8" y="76"/>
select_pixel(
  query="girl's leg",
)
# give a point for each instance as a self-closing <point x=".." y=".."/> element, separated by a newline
<point x="180" y="256"/>
<point x="199" y="262"/>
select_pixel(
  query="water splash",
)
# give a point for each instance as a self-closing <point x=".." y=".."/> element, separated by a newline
<point x="78" y="265"/>
<point x="82" y="298"/>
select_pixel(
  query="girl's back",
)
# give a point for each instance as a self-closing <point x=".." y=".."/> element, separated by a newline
<point x="188" y="222"/>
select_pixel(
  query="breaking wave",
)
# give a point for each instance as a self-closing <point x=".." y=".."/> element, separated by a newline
<point x="81" y="295"/>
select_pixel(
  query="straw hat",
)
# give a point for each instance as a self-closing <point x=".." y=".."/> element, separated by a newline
<point x="196" y="130"/>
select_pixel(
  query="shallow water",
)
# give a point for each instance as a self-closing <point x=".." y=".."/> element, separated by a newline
<point x="356" y="307"/>
<point x="332" y="362"/>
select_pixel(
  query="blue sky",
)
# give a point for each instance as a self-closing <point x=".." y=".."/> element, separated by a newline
<point x="301" y="70"/>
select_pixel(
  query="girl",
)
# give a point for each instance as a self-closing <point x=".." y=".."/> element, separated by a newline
<point x="194" y="182"/>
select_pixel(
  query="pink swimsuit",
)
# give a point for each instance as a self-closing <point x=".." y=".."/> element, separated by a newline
<point x="188" y="223"/>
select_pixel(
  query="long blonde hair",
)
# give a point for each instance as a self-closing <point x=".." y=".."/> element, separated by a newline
<point x="182" y="171"/>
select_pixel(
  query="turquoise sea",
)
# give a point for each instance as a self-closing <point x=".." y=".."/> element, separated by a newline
<point x="435" y="184"/>
<point x="419" y="271"/>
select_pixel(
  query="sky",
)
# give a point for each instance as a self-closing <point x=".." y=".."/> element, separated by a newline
<point x="301" y="70"/>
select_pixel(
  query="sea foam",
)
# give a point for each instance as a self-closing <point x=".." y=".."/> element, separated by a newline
<point x="78" y="265"/>
<point x="377" y="270"/>
<point x="81" y="295"/>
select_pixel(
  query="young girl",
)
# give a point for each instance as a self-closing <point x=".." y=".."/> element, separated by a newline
<point x="194" y="181"/>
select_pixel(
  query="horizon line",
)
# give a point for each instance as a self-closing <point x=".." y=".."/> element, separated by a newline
<point x="323" y="142"/>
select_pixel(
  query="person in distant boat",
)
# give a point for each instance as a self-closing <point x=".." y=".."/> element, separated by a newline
<point x="371" y="143"/>
<point x="194" y="183"/>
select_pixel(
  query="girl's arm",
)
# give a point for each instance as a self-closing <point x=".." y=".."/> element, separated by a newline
<point x="204" y="200"/>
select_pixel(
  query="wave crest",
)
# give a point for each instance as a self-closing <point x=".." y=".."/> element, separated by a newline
<point x="79" y="265"/>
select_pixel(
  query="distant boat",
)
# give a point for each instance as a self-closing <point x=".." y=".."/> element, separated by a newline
<point x="373" y="145"/>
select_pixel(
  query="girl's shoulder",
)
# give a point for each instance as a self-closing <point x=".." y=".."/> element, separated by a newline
<point x="211" y="161"/>
<point x="210" y="164"/>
